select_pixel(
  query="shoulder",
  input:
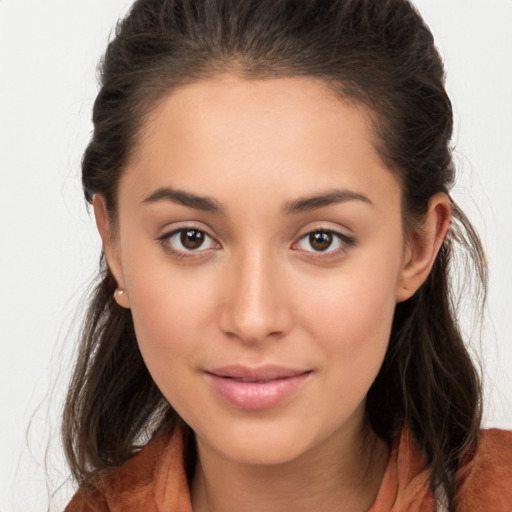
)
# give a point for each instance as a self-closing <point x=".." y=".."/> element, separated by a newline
<point x="154" y="475"/>
<point x="484" y="480"/>
<point x="124" y="487"/>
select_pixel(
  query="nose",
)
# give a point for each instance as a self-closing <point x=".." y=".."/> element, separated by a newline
<point x="255" y="306"/>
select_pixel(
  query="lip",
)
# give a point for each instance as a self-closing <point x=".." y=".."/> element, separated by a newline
<point x="256" y="388"/>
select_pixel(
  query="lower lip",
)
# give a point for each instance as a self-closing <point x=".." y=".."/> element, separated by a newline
<point x="256" y="395"/>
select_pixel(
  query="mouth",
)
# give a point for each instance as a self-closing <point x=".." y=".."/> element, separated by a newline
<point x="256" y="388"/>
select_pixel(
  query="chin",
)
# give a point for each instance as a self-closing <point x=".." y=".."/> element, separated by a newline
<point x="263" y="452"/>
<point x="265" y="443"/>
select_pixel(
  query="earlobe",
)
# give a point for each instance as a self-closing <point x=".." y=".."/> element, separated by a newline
<point x="424" y="245"/>
<point x="110" y="248"/>
<point x="121" y="297"/>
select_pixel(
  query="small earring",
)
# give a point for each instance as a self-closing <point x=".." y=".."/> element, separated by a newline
<point x="121" y="297"/>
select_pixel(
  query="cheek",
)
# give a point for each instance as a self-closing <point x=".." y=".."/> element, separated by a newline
<point x="352" y="331"/>
<point x="171" y="314"/>
<point x="353" y="306"/>
<point x="350" y="317"/>
<point x="170" y="307"/>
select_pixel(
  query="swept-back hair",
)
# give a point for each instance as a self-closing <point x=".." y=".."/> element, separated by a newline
<point x="378" y="54"/>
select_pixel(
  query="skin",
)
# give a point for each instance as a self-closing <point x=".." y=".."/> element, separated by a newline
<point x="259" y="292"/>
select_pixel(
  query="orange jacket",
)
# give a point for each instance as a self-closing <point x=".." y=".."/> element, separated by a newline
<point x="154" y="480"/>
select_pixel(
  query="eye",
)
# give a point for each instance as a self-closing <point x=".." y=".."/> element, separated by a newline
<point x="188" y="240"/>
<point x="325" y="241"/>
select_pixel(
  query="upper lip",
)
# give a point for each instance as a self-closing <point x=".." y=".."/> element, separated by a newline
<point x="260" y="373"/>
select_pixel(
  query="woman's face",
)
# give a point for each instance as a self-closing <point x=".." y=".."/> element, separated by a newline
<point x="261" y="248"/>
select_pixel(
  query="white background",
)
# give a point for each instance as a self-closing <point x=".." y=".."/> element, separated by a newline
<point x="49" y="248"/>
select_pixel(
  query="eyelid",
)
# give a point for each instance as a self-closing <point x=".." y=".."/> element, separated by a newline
<point x="163" y="240"/>
<point x="347" y="241"/>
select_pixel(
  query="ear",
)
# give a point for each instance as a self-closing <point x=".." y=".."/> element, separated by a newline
<point x="110" y="248"/>
<point x="423" y="246"/>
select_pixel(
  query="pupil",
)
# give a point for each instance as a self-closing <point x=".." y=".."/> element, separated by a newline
<point x="192" y="239"/>
<point x="320" y="241"/>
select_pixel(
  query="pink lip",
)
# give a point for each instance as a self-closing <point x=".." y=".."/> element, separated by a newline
<point x="256" y="388"/>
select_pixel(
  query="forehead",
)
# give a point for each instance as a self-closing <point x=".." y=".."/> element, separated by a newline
<point x="283" y="110"/>
<point x="228" y="134"/>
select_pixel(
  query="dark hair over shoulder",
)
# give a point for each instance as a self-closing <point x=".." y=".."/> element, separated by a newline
<point x="375" y="53"/>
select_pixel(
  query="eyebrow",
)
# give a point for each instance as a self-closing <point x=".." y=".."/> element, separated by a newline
<point x="300" y="205"/>
<point x="203" y="203"/>
<point x="328" y="198"/>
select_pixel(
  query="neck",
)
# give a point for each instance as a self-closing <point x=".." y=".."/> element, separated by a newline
<point x="342" y="474"/>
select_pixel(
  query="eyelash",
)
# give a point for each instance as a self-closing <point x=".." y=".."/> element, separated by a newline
<point x="164" y="241"/>
<point x="345" y="243"/>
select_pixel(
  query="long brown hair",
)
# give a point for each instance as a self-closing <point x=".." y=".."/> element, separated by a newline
<point x="376" y="53"/>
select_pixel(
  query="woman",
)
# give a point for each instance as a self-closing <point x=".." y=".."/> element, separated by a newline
<point x="274" y="324"/>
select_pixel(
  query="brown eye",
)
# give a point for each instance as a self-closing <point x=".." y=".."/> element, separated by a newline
<point x="188" y="240"/>
<point x="192" y="238"/>
<point x="320" y="240"/>
<point x="326" y="241"/>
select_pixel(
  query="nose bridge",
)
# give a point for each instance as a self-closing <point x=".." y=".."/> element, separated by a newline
<point x="254" y="308"/>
